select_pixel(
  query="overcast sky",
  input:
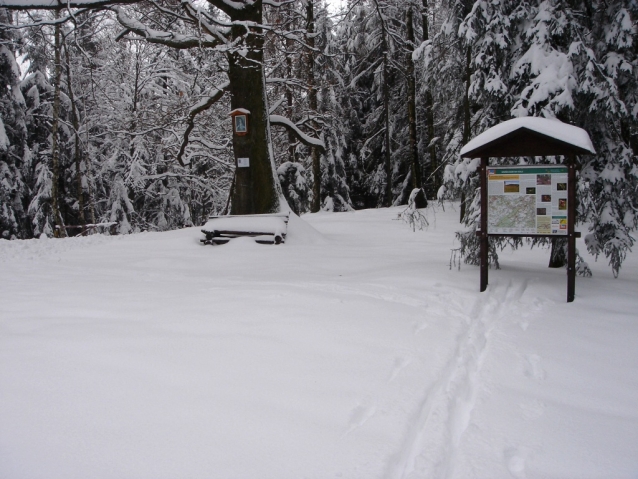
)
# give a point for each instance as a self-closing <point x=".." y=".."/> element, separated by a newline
<point x="334" y="5"/>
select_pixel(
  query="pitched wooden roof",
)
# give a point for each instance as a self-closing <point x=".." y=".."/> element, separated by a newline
<point x="529" y="136"/>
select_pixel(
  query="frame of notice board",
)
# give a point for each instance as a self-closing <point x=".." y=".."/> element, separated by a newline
<point x="560" y="208"/>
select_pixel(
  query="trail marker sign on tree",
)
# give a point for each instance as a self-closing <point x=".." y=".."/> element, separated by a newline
<point x="535" y="200"/>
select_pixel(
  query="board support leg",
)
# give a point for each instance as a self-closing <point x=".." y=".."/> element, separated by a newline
<point x="484" y="245"/>
<point x="571" y="235"/>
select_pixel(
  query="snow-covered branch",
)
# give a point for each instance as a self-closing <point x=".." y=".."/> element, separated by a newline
<point x="232" y="7"/>
<point x="57" y="4"/>
<point x="171" y="39"/>
<point x="307" y="140"/>
<point x="203" y="105"/>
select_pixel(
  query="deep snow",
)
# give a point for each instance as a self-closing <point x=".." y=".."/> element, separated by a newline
<point x="352" y="351"/>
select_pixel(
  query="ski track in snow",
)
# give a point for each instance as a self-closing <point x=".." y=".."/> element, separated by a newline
<point x="355" y="359"/>
<point x="430" y="446"/>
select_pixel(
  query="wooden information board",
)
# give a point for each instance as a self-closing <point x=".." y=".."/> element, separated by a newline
<point x="527" y="200"/>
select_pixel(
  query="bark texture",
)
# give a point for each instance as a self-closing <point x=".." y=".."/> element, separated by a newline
<point x="420" y="200"/>
<point x="256" y="190"/>
<point x="55" y="144"/>
<point x="313" y="104"/>
<point x="434" y="174"/>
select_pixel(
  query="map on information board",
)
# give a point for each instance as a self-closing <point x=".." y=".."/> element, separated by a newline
<point x="527" y="200"/>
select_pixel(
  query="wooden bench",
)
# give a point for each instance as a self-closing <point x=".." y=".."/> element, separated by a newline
<point x="265" y="229"/>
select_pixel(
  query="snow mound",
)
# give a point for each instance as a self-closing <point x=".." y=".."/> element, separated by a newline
<point x="300" y="232"/>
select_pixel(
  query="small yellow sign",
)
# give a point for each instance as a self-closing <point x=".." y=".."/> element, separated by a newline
<point x="503" y="177"/>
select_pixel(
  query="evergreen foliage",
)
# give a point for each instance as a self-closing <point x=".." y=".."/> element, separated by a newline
<point x="14" y="156"/>
<point x="140" y="143"/>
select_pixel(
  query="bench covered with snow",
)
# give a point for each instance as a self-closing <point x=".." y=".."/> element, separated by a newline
<point x="265" y="229"/>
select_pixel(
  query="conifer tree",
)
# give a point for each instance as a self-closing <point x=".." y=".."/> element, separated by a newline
<point x="14" y="153"/>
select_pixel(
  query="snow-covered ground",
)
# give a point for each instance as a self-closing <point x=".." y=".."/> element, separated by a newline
<point x="352" y="351"/>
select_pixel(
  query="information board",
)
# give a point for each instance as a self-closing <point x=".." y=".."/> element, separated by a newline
<point x="527" y="200"/>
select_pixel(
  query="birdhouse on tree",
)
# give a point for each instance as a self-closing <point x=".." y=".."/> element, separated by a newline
<point x="240" y="118"/>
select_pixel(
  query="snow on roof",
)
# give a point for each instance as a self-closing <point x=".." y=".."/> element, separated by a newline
<point x="550" y="127"/>
<point x="242" y="111"/>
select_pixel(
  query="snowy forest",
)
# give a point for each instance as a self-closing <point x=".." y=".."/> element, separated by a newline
<point x="119" y="112"/>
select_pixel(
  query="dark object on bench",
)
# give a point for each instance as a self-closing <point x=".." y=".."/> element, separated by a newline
<point x="265" y="229"/>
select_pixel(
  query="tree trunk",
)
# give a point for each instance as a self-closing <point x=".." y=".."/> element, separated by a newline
<point x="55" y="148"/>
<point x="466" y="116"/>
<point x="415" y="167"/>
<point x="289" y="98"/>
<point x="313" y="105"/>
<point x="387" y="157"/>
<point x="435" y="175"/>
<point x="76" y="127"/>
<point x="257" y="189"/>
<point x="386" y="120"/>
<point x="557" y="257"/>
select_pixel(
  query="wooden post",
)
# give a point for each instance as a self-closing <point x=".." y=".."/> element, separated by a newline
<point x="483" y="238"/>
<point x="571" y="220"/>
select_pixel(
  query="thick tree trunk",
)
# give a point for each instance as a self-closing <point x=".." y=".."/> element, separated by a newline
<point x="415" y="167"/>
<point x="257" y="191"/>
<point x="55" y="144"/>
<point x="257" y="188"/>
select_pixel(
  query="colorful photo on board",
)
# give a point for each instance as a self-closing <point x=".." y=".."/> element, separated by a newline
<point x="546" y="198"/>
<point x="562" y="204"/>
<point x="544" y="179"/>
<point x="530" y="190"/>
<point x="511" y="186"/>
<point x="561" y="186"/>
<point x="541" y="211"/>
